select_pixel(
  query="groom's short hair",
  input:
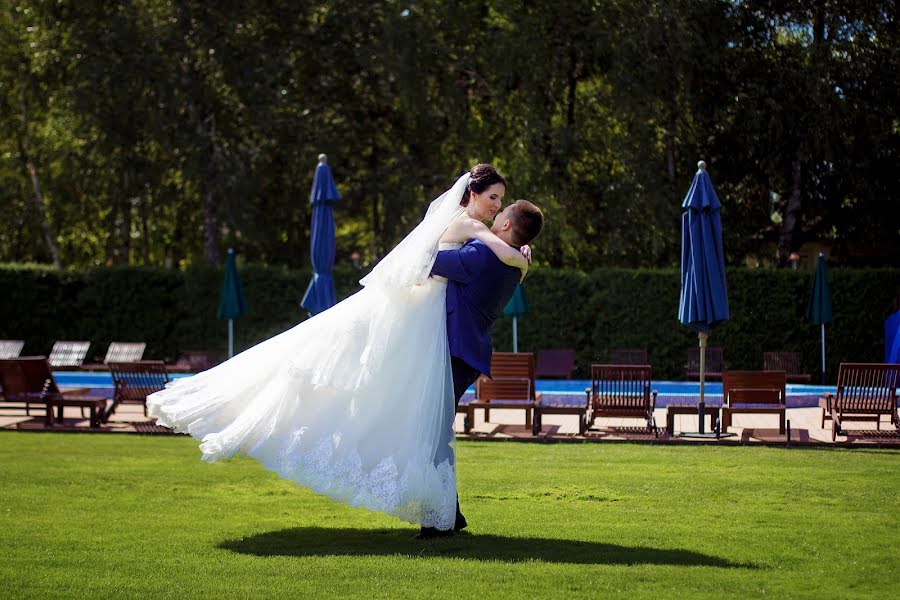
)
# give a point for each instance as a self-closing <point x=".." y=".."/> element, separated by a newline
<point x="526" y="221"/>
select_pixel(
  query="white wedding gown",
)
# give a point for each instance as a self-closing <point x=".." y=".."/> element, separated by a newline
<point x="356" y="402"/>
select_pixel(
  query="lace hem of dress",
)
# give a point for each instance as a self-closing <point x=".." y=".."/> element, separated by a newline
<point x="384" y="488"/>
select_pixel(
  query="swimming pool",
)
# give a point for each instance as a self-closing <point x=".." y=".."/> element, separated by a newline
<point x="566" y="390"/>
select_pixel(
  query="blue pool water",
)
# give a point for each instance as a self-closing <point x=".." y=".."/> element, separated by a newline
<point x="670" y="392"/>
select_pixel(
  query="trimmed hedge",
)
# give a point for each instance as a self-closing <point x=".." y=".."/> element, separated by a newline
<point x="174" y="311"/>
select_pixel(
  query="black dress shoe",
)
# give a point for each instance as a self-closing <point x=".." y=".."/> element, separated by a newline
<point x="428" y="533"/>
<point x="461" y="523"/>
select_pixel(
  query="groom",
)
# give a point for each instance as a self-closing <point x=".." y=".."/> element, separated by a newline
<point x="479" y="286"/>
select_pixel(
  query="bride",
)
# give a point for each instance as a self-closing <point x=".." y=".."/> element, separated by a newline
<point x="355" y="403"/>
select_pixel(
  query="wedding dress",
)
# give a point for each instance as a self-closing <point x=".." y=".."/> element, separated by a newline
<point x="355" y="403"/>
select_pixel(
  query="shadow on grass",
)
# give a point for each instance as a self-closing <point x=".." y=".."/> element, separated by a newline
<point x="325" y="541"/>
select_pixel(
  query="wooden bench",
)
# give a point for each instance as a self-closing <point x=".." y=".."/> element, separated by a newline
<point x="673" y="410"/>
<point x="505" y="393"/>
<point x="789" y="362"/>
<point x="560" y="406"/>
<point x="766" y="388"/>
<point x="865" y="392"/>
<point x="621" y="391"/>
<point x="96" y="406"/>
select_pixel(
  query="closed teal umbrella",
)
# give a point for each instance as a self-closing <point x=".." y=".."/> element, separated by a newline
<point x="515" y="308"/>
<point x="819" y="308"/>
<point x="232" y="304"/>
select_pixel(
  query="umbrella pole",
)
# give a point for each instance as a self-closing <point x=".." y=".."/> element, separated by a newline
<point x="701" y="406"/>
<point x="230" y="338"/>
<point x="823" y="353"/>
<point x="515" y="336"/>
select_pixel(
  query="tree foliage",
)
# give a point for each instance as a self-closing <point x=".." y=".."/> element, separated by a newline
<point x="160" y="132"/>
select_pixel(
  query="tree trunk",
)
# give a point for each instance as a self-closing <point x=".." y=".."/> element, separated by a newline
<point x="25" y="143"/>
<point x="670" y="144"/>
<point x="787" y="241"/>
<point x="210" y="232"/>
<point x="377" y="241"/>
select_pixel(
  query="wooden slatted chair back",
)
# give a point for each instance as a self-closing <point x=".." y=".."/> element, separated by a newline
<point x="513" y="365"/>
<point x="715" y="359"/>
<point x="504" y="389"/>
<point x="754" y="387"/>
<point x="628" y="356"/>
<point x="11" y="348"/>
<point x="134" y="381"/>
<point x="789" y="362"/>
<point x="558" y="362"/>
<point x="867" y="388"/>
<point x="621" y="387"/>
<point x="68" y="354"/>
<point x="123" y="352"/>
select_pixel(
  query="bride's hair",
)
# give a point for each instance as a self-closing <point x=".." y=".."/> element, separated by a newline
<point x="481" y="177"/>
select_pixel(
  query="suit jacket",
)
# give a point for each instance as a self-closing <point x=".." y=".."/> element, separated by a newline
<point x="479" y="286"/>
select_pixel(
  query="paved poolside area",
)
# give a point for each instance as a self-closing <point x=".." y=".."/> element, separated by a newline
<point x="509" y="425"/>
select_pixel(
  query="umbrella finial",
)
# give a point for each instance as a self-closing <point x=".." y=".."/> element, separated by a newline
<point x="701" y="165"/>
<point x="231" y="251"/>
<point x="323" y="158"/>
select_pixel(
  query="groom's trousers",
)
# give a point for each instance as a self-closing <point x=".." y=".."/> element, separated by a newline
<point x="464" y="375"/>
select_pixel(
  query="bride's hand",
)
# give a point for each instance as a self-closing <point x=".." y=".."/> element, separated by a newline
<point x="526" y="252"/>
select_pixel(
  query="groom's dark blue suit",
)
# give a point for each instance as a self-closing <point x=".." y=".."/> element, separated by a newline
<point x="479" y="286"/>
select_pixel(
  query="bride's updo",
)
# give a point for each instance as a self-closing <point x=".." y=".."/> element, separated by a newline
<point x="481" y="177"/>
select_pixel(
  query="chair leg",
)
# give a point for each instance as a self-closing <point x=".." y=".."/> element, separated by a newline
<point x="781" y="419"/>
<point x="487" y="415"/>
<point x="823" y="419"/>
<point x="835" y="427"/>
<point x="527" y="417"/>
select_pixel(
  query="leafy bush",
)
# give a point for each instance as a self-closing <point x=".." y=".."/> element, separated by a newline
<point x="174" y="311"/>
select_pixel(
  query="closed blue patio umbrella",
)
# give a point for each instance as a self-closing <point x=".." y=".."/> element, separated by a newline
<point x="515" y="308"/>
<point x="704" y="297"/>
<point x="819" y="308"/>
<point x="232" y="304"/>
<point x="320" y="294"/>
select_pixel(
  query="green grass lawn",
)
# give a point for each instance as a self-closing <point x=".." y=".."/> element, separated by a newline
<point x="141" y="516"/>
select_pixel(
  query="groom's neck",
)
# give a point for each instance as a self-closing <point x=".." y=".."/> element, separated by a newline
<point x="506" y="236"/>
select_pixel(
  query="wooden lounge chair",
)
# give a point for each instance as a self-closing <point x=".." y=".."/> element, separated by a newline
<point x="628" y="356"/>
<point x="29" y="380"/>
<point x="555" y="363"/>
<point x="117" y="352"/>
<point x="763" y="391"/>
<point x="134" y="381"/>
<point x="11" y="348"/>
<point x="864" y="392"/>
<point x="507" y="393"/>
<point x="715" y="363"/>
<point x="622" y="391"/>
<point x="123" y="352"/>
<point x="789" y="362"/>
<point x="511" y="365"/>
<point x="68" y="354"/>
